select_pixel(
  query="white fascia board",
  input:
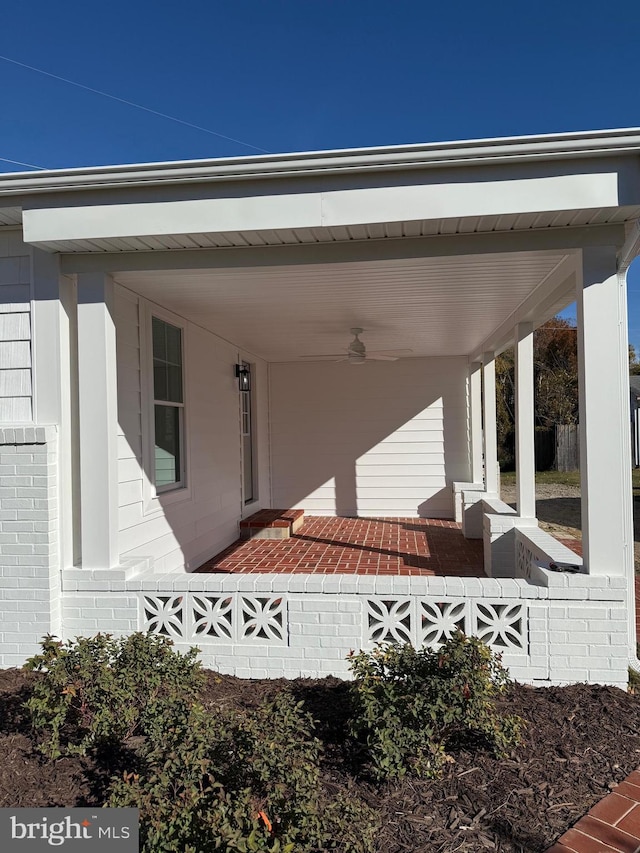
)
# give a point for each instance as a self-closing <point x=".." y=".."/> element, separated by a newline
<point x="197" y="216"/>
<point x="322" y="209"/>
<point x="548" y="147"/>
<point x="481" y="198"/>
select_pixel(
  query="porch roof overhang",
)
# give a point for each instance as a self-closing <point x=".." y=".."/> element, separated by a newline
<point x="475" y="236"/>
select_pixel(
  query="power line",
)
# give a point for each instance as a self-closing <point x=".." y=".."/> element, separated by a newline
<point x="133" y="104"/>
<point x="20" y="163"/>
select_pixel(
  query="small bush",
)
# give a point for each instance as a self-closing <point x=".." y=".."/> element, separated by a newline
<point x="101" y="690"/>
<point x="240" y="782"/>
<point x="410" y="705"/>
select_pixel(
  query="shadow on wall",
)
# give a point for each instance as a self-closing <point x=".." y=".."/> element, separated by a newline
<point x="383" y="438"/>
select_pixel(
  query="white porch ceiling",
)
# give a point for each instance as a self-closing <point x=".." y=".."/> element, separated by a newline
<point x="435" y="306"/>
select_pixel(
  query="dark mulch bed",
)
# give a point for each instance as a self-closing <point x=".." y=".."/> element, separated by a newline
<point x="579" y="742"/>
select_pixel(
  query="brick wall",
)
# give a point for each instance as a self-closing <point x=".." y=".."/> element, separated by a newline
<point x="551" y="629"/>
<point x="30" y="594"/>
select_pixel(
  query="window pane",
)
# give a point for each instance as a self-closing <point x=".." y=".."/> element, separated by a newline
<point x="175" y="384"/>
<point x="174" y="344"/>
<point x="160" y="381"/>
<point x="167" y="449"/>
<point x="159" y="339"/>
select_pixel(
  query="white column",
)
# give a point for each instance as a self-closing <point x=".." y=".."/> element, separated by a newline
<point x="490" y="432"/>
<point x="51" y="349"/>
<point x="525" y="437"/>
<point x="98" y="421"/>
<point x="475" y="421"/>
<point x="605" y="451"/>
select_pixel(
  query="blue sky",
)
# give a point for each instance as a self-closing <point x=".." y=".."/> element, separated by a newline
<point x="290" y="75"/>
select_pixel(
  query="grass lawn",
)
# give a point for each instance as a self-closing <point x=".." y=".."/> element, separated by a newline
<point x="564" y="478"/>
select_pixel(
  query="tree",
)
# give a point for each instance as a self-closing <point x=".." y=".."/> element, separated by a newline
<point x="555" y="356"/>
<point x="555" y="367"/>
<point x="634" y="364"/>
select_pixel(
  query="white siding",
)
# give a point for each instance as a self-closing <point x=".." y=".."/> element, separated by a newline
<point x="382" y="438"/>
<point x="204" y="520"/>
<point x="15" y="329"/>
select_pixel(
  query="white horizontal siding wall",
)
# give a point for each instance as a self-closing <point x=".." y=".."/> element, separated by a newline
<point x="382" y="438"/>
<point x="15" y="329"/>
<point x="187" y="531"/>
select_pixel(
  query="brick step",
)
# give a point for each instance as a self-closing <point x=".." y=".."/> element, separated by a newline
<point x="272" y="524"/>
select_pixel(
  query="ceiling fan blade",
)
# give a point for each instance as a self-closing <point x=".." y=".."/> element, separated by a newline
<point x="396" y="353"/>
<point x="376" y="357"/>
<point x="325" y="355"/>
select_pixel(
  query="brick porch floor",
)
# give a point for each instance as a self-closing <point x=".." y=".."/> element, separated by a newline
<point x="363" y="546"/>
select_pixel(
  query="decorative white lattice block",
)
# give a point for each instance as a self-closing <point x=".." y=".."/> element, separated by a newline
<point x="439" y="620"/>
<point x="501" y="626"/>
<point x="262" y="618"/>
<point x="212" y="616"/>
<point x="524" y="557"/>
<point x="390" y="620"/>
<point x="224" y="617"/>
<point x="164" y="614"/>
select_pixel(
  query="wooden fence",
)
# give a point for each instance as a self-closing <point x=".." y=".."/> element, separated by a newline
<point x="558" y="448"/>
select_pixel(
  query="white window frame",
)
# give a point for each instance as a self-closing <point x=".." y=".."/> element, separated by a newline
<point x="155" y="500"/>
<point x="248" y="507"/>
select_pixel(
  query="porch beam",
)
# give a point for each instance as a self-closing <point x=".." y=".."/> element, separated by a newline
<point x="553" y="294"/>
<point x="495" y="242"/>
<point x="525" y="434"/>
<point x="605" y="450"/>
<point x="98" y="422"/>
<point x="490" y="432"/>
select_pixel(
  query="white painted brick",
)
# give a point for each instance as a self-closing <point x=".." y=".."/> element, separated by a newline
<point x="307" y="619"/>
<point x="366" y="585"/>
<point x="618" y="640"/>
<point x="330" y="605"/>
<point x="343" y="619"/>
<point x="604" y="676"/>
<point x="612" y="625"/>
<point x="350" y="606"/>
<point x="570" y="594"/>
<point x="569" y="676"/>
<point x="606" y="595"/>
<point x="384" y="585"/>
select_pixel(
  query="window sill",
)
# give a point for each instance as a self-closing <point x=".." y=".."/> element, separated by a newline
<point x="156" y="504"/>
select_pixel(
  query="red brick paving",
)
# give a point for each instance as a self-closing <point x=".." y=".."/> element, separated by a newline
<point x="611" y="826"/>
<point x="363" y="546"/>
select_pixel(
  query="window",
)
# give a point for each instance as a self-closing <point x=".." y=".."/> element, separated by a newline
<point x="168" y="404"/>
<point x="248" y="473"/>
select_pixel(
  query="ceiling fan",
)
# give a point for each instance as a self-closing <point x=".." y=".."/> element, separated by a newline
<point x="356" y="352"/>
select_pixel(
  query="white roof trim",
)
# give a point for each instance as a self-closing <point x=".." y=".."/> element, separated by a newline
<point x="430" y="155"/>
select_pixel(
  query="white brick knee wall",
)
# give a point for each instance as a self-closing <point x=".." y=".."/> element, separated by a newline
<point x="30" y="594"/>
<point x="551" y="629"/>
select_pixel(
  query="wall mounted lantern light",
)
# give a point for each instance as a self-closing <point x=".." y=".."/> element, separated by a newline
<point x="243" y="375"/>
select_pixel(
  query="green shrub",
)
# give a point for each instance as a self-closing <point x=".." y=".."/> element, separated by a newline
<point x="101" y="690"/>
<point x="245" y="781"/>
<point x="411" y="705"/>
